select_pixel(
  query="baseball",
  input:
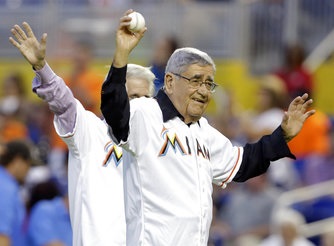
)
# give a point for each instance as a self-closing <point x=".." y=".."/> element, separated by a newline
<point x="137" y="23"/>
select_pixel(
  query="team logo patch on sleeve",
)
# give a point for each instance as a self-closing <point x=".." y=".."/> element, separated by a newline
<point x="113" y="154"/>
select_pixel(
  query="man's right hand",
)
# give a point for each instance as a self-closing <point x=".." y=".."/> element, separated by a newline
<point x="126" y="41"/>
<point x="26" y="42"/>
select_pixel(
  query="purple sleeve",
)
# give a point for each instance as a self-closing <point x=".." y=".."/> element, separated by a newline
<point x="53" y="90"/>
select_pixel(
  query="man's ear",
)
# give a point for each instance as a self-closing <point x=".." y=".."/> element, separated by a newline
<point x="168" y="82"/>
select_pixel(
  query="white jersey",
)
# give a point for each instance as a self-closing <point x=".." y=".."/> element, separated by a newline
<point x="168" y="201"/>
<point x="94" y="167"/>
<point x="95" y="189"/>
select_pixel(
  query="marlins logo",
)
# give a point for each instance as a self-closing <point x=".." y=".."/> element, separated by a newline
<point x="113" y="153"/>
<point x="171" y="140"/>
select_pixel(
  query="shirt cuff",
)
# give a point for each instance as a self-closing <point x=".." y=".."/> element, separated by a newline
<point x="43" y="76"/>
<point x="280" y="145"/>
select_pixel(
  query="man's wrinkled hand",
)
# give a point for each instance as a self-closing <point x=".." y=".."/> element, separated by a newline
<point x="296" y="115"/>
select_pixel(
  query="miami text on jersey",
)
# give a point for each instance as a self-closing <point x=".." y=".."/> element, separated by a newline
<point x="172" y="141"/>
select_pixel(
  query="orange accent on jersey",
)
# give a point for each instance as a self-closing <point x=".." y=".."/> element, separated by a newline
<point x="108" y="156"/>
<point x="232" y="169"/>
<point x="163" y="129"/>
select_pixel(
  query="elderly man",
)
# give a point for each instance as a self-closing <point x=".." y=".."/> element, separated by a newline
<point x="173" y="154"/>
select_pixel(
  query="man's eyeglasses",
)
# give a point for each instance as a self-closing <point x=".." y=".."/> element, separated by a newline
<point x="196" y="83"/>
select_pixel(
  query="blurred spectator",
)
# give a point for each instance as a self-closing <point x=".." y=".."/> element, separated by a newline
<point x="162" y="51"/>
<point x="14" y="108"/>
<point x="286" y="225"/>
<point x="267" y="116"/>
<point x="49" y="220"/>
<point x="316" y="128"/>
<point x="37" y="173"/>
<point x="218" y="229"/>
<point x="52" y="150"/>
<point x="84" y="81"/>
<point x="40" y="126"/>
<point x="246" y="211"/>
<point x="49" y="223"/>
<point x="311" y="145"/>
<point x="269" y="109"/>
<point x="11" y="128"/>
<point x="15" y="161"/>
<point x="43" y="190"/>
<point x="14" y="98"/>
<point x="319" y="167"/>
<point x="227" y="118"/>
<point x="297" y="78"/>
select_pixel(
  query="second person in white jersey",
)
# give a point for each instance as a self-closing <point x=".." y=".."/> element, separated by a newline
<point x="94" y="170"/>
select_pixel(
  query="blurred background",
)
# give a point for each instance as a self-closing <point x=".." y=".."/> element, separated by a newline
<point x="251" y="41"/>
<point x="246" y="37"/>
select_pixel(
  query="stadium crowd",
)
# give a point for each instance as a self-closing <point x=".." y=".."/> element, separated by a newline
<point x="242" y="213"/>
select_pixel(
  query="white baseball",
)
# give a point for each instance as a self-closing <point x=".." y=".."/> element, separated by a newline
<point x="137" y="22"/>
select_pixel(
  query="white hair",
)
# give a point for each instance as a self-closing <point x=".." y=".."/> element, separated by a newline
<point x="140" y="72"/>
<point x="184" y="57"/>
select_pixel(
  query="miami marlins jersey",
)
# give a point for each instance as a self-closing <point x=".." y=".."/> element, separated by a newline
<point x="95" y="183"/>
<point x="172" y="194"/>
<point x="169" y="166"/>
<point x="94" y="167"/>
